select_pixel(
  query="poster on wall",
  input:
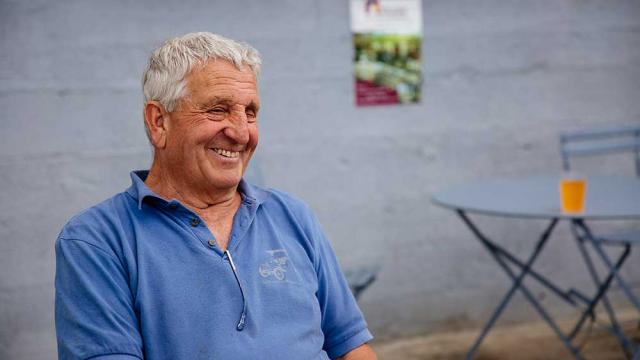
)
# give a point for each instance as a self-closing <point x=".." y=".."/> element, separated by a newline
<point x="386" y="38"/>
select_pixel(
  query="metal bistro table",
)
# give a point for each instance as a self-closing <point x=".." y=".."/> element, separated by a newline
<point x="538" y="198"/>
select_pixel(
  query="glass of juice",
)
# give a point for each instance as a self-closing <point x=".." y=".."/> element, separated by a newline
<point x="573" y="190"/>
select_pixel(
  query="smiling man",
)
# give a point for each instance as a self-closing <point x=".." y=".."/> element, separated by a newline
<point x="192" y="262"/>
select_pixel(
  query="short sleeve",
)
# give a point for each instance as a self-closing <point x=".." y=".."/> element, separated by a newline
<point x="94" y="306"/>
<point x="343" y="324"/>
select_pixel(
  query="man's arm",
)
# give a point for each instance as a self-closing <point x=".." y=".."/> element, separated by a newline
<point x="362" y="352"/>
<point x="342" y="322"/>
<point x="94" y="306"/>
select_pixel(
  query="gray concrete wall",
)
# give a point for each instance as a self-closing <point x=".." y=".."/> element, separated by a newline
<point x="501" y="79"/>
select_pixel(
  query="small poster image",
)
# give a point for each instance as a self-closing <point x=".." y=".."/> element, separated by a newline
<point x="387" y="37"/>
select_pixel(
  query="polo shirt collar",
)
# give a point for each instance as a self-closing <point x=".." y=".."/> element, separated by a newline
<point x="252" y="193"/>
<point x="140" y="191"/>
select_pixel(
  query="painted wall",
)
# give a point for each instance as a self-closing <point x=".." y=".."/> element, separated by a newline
<point x="501" y="79"/>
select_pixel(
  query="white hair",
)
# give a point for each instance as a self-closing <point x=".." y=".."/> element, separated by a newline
<point x="164" y="78"/>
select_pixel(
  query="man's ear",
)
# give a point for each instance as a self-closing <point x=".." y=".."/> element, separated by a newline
<point x="155" y="120"/>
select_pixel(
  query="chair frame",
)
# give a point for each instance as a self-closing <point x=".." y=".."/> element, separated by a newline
<point x="625" y="139"/>
<point x="595" y="142"/>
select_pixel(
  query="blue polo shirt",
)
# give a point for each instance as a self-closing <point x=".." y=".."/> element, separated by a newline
<point x="138" y="276"/>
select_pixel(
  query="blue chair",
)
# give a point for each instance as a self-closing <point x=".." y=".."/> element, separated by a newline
<point x="360" y="278"/>
<point x="597" y="143"/>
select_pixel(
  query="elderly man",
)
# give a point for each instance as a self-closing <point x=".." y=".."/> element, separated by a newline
<point x="192" y="262"/>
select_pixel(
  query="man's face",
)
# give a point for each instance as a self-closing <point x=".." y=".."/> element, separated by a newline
<point x="213" y="133"/>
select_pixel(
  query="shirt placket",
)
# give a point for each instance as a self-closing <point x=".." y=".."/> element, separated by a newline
<point x="197" y="226"/>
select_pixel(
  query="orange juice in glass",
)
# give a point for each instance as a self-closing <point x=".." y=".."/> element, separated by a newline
<point x="573" y="189"/>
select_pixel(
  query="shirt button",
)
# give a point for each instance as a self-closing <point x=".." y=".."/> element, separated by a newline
<point x="173" y="206"/>
<point x="212" y="243"/>
<point x="195" y="222"/>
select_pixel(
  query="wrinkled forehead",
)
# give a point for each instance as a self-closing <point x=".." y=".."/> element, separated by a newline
<point x="217" y="70"/>
<point x="222" y="79"/>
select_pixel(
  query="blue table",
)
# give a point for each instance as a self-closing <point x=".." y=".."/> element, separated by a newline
<point x="538" y="198"/>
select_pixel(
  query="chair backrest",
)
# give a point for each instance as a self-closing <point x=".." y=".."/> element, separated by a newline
<point x="602" y="141"/>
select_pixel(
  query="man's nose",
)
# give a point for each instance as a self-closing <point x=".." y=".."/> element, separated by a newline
<point x="238" y="128"/>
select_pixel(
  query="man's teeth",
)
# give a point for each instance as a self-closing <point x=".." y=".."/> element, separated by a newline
<point x="227" y="153"/>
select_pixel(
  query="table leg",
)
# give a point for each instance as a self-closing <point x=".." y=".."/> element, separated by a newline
<point x="517" y="284"/>
<point x="567" y="296"/>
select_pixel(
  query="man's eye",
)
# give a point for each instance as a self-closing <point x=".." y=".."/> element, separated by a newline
<point x="218" y="110"/>
<point x="250" y="113"/>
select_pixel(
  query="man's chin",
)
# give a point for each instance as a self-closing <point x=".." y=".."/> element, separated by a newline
<point x="228" y="182"/>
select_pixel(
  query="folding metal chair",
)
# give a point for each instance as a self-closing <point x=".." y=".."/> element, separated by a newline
<point x="603" y="141"/>
<point x="360" y="278"/>
<point x="599" y="142"/>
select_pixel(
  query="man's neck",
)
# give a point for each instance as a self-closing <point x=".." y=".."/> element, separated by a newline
<point x="209" y="200"/>
<point x="216" y="208"/>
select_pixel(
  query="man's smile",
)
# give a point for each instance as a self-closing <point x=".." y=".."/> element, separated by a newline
<point x="226" y="153"/>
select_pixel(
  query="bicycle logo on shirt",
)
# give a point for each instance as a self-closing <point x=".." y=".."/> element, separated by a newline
<point x="277" y="266"/>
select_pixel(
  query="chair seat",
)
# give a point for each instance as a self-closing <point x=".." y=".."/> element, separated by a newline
<point x="629" y="237"/>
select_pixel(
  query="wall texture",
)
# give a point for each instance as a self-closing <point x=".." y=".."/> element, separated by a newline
<point x="501" y="79"/>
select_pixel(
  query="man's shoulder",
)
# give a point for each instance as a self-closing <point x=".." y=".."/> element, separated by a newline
<point x="282" y="200"/>
<point x="99" y="223"/>
<point x="285" y="197"/>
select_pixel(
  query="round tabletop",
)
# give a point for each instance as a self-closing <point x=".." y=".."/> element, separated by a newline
<point x="607" y="197"/>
